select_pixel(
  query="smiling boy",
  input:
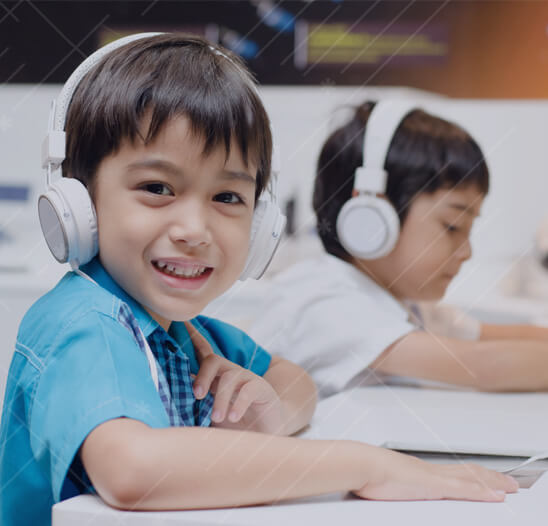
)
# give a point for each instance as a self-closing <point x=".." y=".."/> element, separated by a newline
<point x="116" y="378"/>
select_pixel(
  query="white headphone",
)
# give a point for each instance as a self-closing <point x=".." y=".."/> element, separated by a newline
<point x="368" y="226"/>
<point x="66" y="212"/>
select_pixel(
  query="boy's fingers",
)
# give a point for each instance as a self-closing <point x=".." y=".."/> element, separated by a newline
<point x="497" y="481"/>
<point x="478" y="483"/>
<point x="201" y="345"/>
<point x="214" y="385"/>
<point x="205" y="378"/>
<point x="229" y="382"/>
<point x="246" y="396"/>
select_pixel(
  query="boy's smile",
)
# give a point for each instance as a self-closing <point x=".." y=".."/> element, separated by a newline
<point x="433" y="244"/>
<point x="174" y="223"/>
<point x="185" y="270"/>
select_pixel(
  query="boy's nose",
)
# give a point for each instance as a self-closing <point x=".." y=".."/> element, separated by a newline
<point x="189" y="225"/>
<point x="464" y="251"/>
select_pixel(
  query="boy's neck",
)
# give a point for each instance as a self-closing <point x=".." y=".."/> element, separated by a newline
<point x="163" y="322"/>
<point x="371" y="270"/>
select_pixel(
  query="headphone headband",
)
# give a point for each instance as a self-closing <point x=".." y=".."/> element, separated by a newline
<point x="381" y="126"/>
<point x="53" y="147"/>
<point x="64" y="98"/>
<point x="367" y="225"/>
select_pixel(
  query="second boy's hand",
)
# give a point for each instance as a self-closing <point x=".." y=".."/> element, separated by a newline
<point x="243" y="400"/>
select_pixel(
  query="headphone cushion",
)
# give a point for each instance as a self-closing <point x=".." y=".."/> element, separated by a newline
<point x="368" y="227"/>
<point x="266" y="231"/>
<point x="73" y="209"/>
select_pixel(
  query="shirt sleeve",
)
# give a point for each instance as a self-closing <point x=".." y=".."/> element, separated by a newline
<point x="94" y="373"/>
<point x="234" y="344"/>
<point x="335" y="337"/>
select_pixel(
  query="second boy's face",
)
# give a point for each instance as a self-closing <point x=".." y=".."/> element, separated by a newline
<point x="174" y="224"/>
<point x="433" y="244"/>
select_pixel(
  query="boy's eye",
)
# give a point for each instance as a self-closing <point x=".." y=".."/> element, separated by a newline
<point x="228" y="198"/>
<point x="157" y="188"/>
<point x="451" y="228"/>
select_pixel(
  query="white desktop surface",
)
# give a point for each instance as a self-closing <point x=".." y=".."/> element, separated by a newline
<point x="336" y="418"/>
<point x="439" y="420"/>
<point x="526" y="508"/>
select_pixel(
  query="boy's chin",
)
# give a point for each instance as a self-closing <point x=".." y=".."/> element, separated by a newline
<point x="429" y="295"/>
<point x="166" y="316"/>
<point x="184" y="316"/>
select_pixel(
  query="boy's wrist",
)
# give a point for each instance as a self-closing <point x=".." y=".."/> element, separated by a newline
<point x="270" y="418"/>
<point x="372" y="465"/>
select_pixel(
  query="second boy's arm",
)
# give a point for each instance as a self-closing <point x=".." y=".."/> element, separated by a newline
<point x="497" y="365"/>
<point x="513" y="332"/>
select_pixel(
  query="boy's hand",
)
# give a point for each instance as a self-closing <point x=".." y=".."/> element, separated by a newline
<point x="404" y="477"/>
<point x="243" y="400"/>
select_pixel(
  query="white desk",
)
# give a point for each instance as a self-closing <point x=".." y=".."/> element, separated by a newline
<point x="514" y="424"/>
<point x="527" y="507"/>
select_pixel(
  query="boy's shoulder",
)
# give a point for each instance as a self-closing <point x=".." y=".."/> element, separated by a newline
<point x="219" y="330"/>
<point x="321" y="275"/>
<point x="72" y="299"/>
<point x="319" y="294"/>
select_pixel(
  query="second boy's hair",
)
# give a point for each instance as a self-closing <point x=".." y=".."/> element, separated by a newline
<point x="162" y="77"/>
<point x="427" y="153"/>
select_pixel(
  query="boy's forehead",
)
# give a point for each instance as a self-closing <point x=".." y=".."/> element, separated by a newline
<point x="177" y="142"/>
<point x="464" y="199"/>
<point x="459" y="200"/>
<point x="190" y="134"/>
<point x="179" y="123"/>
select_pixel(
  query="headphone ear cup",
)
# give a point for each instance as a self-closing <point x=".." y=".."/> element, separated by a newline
<point x="266" y="232"/>
<point x="68" y="221"/>
<point x="368" y="227"/>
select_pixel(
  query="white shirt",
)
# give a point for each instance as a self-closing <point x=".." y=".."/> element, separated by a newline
<point x="331" y="319"/>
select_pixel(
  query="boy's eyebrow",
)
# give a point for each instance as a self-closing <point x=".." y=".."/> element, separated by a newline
<point x="242" y="176"/>
<point x="156" y="164"/>
<point x="464" y="208"/>
<point x="165" y="166"/>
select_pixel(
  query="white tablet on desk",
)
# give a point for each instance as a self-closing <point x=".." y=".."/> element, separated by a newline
<point x="436" y="420"/>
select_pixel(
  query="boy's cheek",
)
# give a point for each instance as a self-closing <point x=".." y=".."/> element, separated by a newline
<point x="240" y="237"/>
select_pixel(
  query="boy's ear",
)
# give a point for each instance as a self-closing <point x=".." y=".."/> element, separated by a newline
<point x="354" y="193"/>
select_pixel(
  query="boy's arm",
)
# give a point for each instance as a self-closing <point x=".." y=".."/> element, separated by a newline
<point x="497" y="365"/>
<point x="513" y="332"/>
<point x="296" y="391"/>
<point x="133" y="466"/>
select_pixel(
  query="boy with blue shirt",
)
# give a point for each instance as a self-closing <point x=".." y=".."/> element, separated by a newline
<point x="110" y="383"/>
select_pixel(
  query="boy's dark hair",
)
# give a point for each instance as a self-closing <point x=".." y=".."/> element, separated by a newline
<point x="426" y="153"/>
<point x="166" y="76"/>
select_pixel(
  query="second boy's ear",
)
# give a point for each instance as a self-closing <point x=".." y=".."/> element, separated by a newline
<point x="354" y="193"/>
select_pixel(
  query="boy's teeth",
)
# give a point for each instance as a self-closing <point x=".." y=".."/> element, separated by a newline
<point x="181" y="272"/>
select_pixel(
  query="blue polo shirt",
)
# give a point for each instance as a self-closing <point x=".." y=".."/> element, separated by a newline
<point x="76" y="365"/>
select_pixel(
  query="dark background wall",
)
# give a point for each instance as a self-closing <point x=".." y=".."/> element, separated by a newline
<point x="459" y="48"/>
